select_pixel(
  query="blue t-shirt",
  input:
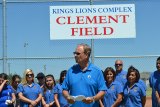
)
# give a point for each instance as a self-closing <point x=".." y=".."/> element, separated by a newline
<point x="87" y="83"/>
<point x="111" y="93"/>
<point x="62" y="101"/>
<point x="133" y="95"/>
<point x="6" y="94"/>
<point x="30" y="92"/>
<point x="153" y="80"/>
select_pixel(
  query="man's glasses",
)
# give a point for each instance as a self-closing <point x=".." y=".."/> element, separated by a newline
<point x="118" y="64"/>
<point x="76" y="53"/>
<point x="29" y="75"/>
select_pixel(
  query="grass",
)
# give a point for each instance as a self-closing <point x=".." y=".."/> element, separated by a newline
<point x="149" y="92"/>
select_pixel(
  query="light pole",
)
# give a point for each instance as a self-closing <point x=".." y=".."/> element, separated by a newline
<point x="9" y="65"/>
<point x="25" y="53"/>
<point x="4" y="38"/>
<point x="44" y="69"/>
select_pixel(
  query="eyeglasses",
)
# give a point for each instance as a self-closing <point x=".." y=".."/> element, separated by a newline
<point x="76" y="53"/>
<point x="118" y="64"/>
<point x="29" y="75"/>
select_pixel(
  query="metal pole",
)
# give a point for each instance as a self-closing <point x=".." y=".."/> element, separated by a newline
<point x="92" y="54"/>
<point x="92" y="42"/>
<point x="25" y="53"/>
<point x="9" y="66"/>
<point x="44" y="69"/>
<point x="4" y="37"/>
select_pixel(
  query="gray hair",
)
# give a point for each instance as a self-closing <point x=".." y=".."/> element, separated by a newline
<point x="87" y="49"/>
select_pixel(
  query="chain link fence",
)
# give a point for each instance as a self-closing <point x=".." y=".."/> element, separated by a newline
<point x="29" y="44"/>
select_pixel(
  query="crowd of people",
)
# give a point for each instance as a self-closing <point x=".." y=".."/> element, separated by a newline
<point x="83" y="85"/>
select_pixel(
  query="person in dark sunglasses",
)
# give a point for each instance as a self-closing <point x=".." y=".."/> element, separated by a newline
<point x="29" y="93"/>
<point x="83" y="80"/>
<point x="41" y="79"/>
<point x="120" y="73"/>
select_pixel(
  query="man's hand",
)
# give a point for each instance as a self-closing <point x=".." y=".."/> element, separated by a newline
<point x="71" y="101"/>
<point x="88" y="100"/>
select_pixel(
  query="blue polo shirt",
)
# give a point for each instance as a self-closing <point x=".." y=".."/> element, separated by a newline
<point x="6" y="94"/>
<point x="154" y="77"/>
<point x="87" y="83"/>
<point x="31" y="93"/>
<point x="157" y="86"/>
<point x="121" y="77"/>
<point x="111" y="93"/>
<point x="143" y="84"/>
<point x="62" y="101"/>
<point x="48" y="96"/>
<point x="17" y="102"/>
<point x="133" y="95"/>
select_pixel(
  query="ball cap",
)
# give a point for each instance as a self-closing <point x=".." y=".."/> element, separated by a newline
<point x="40" y="75"/>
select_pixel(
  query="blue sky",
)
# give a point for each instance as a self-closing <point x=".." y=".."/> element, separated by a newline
<point x="29" y="23"/>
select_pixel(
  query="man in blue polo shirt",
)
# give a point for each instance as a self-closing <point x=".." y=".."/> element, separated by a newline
<point x="84" y="79"/>
<point x="121" y="74"/>
<point x="154" y="78"/>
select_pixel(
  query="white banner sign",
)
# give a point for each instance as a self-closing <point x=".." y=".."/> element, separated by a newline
<point x="92" y="21"/>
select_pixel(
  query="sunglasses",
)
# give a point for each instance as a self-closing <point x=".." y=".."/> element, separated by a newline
<point x="29" y="75"/>
<point x="118" y="64"/>
<point x="76" y="53"/>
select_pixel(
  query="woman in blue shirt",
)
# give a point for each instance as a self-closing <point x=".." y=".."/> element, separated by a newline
<point x="113" y="94"/>
<point x="58" y="96"/>
<point x="16" y="79"/>
<point x="134" y="93"/>
<point x="7" y="96"/>
<point x="29" y="93"/>
<point x="48" y="92"/>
